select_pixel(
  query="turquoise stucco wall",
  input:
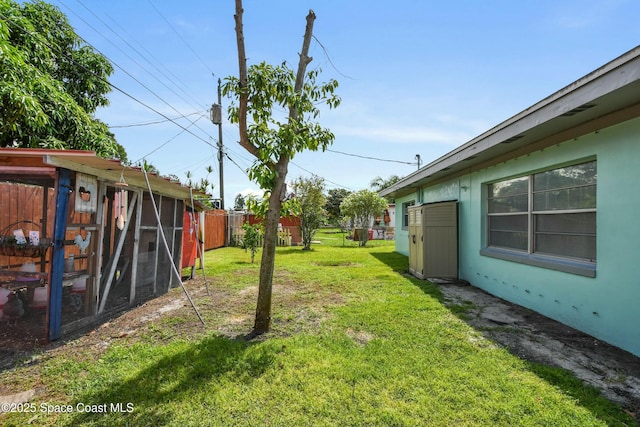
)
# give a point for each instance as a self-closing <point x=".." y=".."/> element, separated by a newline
<point x="604" y="306"/>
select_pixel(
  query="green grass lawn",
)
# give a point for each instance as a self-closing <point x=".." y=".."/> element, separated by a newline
<point x="355" y="342"/>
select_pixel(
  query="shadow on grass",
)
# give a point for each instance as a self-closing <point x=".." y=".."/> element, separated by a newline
<point x="398" y="263"/>
<point x="175" y="380"/>
<point x="587" y="396"/>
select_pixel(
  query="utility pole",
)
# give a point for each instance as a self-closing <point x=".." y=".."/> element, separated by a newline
<point x="216" y="118"/>
<point x="419" y="160"/>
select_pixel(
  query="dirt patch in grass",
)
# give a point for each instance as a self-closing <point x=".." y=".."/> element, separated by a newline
<point x="337" y="264"/>
<point x="536" y="338"/>
<point x="299" y="307"/>
<point x="361" y="337"/>
<point x="226" y="310"/>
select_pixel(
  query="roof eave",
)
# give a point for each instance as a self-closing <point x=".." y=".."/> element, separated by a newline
<point x="612" y="87"/>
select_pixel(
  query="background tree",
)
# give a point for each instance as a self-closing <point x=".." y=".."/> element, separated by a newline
<point x="203" y="185"/>
<point x="251" y="239"/>
<point x="239" y="203"/>
<point x="273" y="142"/>
<point x="378" y="183"/>
<point x="361" y="207"/>
<point x="335" y="196"/>
<point x="52" y="83"/>
<point x="310" y="195"/>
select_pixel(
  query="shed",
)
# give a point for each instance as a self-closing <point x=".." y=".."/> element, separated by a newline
<point x="81" y="240"/>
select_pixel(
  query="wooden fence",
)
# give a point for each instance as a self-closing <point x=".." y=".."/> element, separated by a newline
<point x="224" y="228"/>
<point x="284" y="237"/>
<point x="215" y="227"/>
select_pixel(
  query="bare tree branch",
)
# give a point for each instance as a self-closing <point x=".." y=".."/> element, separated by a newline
<point x="244" y="96"/>
<point x="304" y="59"/>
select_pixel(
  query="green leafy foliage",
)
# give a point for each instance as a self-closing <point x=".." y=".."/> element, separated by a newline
<point x="252" y="238"/>
<point x="260" y="206"/>
<point x="361" y="207"/>
<point x="309" y="193"/>
<point x="52" y="83"/>
<point x="335" y="196"/>
<point x="239" y="202"/>
<point x="378" y="183"/>
<point x="271" y="88"/>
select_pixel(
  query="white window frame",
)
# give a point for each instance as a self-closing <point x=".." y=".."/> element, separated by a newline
<point x="405" y="213"/>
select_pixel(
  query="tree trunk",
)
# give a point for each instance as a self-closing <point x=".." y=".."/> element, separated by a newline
<point x="262" y="322"/>
<point x="263" y="307"/>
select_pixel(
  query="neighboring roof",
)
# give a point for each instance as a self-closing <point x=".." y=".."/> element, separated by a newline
<point x="87" y="162"/>
<point x="604" y="97"/>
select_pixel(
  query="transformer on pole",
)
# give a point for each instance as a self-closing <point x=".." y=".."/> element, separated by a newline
<point x="216" y="119"/>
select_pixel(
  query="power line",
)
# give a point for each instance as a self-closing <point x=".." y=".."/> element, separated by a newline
<point x="168" y="141"/>
<point x="155" y="122"/>
<point x="176" y="81"/>
<point x="326" y="54"/>
<point x="370" y="158"/>
<point x="178" y="34"/>
<point x="313" y="173"/>
<point x="111" y="84"/>
<point x="132" y="77"/>
<point x="118" y="34"/>
<point x="238" y="166"/>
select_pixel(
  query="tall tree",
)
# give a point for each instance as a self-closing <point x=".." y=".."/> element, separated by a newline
<point x="310" y="195"/>
<point x="378" y="183"/>
<point x="335" y="196"/>
<point x="273" y="142"/>
<point x="239" y="202"/>
<point x="362" y="207"/>
<point x="52" y="83"/>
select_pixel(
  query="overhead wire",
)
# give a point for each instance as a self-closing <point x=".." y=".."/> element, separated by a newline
<point x="168" y="141"/>
<point x="198" y="163"/>
<point x="137" y="81"/>
<point x="326" y="54"/>
<point x="370" y="158"/>
<point x="192" y="123"/>
<point x="326" y="179"/>
<point x="294" y="164"/>
<point x="180" y="36"/>
<point x="118" y="34"/>
<point x="177" y="81"/>
<point x="149" y="123"/>
<point x="7" y="19"/>
<point x="244" y="171"/>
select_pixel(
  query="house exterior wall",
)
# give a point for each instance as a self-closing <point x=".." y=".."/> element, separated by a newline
<point x="604" y="306"/>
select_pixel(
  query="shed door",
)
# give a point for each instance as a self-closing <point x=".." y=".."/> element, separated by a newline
<point x="441" y="239"/>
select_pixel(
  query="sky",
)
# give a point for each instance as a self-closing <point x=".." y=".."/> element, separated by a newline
<point x="416" y="77"/>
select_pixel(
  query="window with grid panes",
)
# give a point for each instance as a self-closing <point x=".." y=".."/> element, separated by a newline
<point x="548" y="213"/>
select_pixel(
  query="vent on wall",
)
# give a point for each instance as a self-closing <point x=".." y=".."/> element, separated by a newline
<point x="579" y="109"/>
